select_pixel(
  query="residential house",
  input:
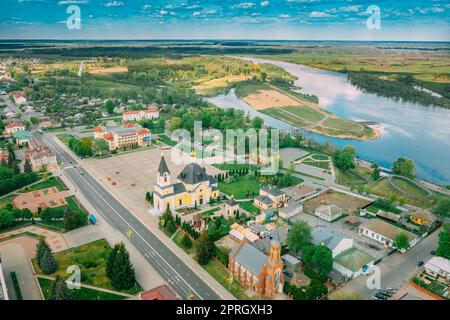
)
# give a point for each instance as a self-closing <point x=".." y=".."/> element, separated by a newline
<point x="23" y="137"/>
<point x="125" y="136"/>
<point x="278" y="197"/>
<point x="300" y="193"/>
<point x="18" y="98"/>
<point x="195" y="187"/>
<point x="423" y="218"/>
<point x="45" y="123"/>
<point x="262" y="274"/>
<point x="333" y="240"/>
<point x="137" y="115"/>
<point x="231" y="208"/>
<point x="438" y="266"/>
<point x="385" y="233"/>
<point x="389" y="216"/>
<point x="12" y="127"/>
<point x="162" y="292"/>
<point x="328" y="212"/>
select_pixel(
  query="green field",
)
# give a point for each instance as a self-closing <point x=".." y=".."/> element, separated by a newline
<point x="409" y="187"/>
<point x="220" y="273"/>
<point x="79" y="294"/>
<point x="166" y="140"/>
<point x="240" y="186"/>
<point x="318" y="164"/>
<point x="248" y="206"/>
<point x="65" y="138"/>
<point x="178" y="240"/>
<point x="91" y="258"/>
<point x="51" y="182"/>
<point x="305" y="112"/>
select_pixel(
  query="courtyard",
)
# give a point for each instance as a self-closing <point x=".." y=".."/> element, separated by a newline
<point x="346" y="202"/>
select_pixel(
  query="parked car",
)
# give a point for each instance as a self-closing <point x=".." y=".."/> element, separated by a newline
<point x="380" y="296"/>
<point x="420" y="263"/>
<point x="288" y="273"/>
<point x="433" y="252"/>
<point x="393" y="291"/>
<point x="386" y="293"/>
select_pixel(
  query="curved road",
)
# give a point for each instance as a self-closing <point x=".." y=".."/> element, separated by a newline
<point x="171" y="268"/>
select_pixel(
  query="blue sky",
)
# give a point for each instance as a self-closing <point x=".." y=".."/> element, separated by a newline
<point x="417" y="20"/>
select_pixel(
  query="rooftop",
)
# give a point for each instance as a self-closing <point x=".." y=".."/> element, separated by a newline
<point x="437" y="264"/>
<point x="264" y="199"/>
<point x="250" y="257"/>
<point x="272" y="190"/>
<point x="326" y="236"/>
<point x="329" y="210"/>
<point x="162" y="292"/>
<point x="386" y="229"/>
<point x="193" y="174"/>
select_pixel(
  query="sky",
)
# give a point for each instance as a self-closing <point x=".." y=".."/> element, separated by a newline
<point x="400" y="20"/>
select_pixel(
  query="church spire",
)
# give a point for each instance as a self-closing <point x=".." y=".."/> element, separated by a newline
<point x="163" y="166"/>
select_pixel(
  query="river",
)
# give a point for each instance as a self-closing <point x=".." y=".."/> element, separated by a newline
<point x="421" y="133"/>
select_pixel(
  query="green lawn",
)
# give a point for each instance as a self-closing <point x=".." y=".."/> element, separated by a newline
<point x="178" y="238"/>
<point x="91" y="258"/>
<point x="248" y="206"/>
<point x="209" y="212"/>
<point x="305" y="112"/>
<point x="65" y="138"/>
<point x="409" y="187"/>
<point x="51" y="182"/>
<point x="240" y="186"/>
<point x="220" y="273"/>
<point x="166" y="140"/>
<point x="318" y="164"/>
<point x="79" y="294"/>
<point x="319" y="156"/>
<point x="5" y="200"/>
<point x="352" y="177"/>
<point x="55" y="130"/>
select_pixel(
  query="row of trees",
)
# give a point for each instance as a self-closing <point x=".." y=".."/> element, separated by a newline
<point x="81" y="147"/>
<point x="71" y="218"/>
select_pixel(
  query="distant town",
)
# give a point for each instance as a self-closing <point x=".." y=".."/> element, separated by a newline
<point x="89" y="189"/>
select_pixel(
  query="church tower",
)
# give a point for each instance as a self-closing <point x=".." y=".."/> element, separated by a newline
<point x="274" y="275"/>
<point x="163" y="174"/>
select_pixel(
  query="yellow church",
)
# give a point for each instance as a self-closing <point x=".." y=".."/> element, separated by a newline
<point x="195" y="187"/>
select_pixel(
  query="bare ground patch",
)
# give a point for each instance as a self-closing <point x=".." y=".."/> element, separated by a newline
<point x="345" y="201"/>
<point x="264" y="99"/>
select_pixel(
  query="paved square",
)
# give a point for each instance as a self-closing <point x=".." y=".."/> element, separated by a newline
<point x="129" y="176"/>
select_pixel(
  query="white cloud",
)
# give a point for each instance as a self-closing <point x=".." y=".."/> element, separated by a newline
<point x="243" y="5"/>
<point x="318" y="14"/>
<point x="196" y="13"/>
<point x="284" y="16"/>
<point x="164" y="12"/>
<point x="264" y="3"/>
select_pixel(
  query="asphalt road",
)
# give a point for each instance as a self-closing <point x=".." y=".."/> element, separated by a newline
<point x="172" y="269"/>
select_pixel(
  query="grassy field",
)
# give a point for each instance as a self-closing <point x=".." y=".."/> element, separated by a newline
<point x="166" y="140"/>
<point x="51" y="182"/>
<point x="178" y="240"/>
<point x="235" y="166"/>
<point x="409" y="187"/>
<point x="91" y="258"/>
<point x="78" y="294"/>
<point x="353" y="176"/>
<point x="430" y="66"/>
<point x="318" y="164"/>
<point x="220" y="273"/>
<point x="240" y="187"/>
<point x="65" y="138"/>
<point x="248" y="206"/>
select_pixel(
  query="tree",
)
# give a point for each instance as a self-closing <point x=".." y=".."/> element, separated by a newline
<point x="6" y="218"/>
<point x="375" y="175"/>
<point x="59" y="290"/>
<point x="48" y="263"/>
<point x="27" y="167"/>
<point x="443" y="249"/>
<point x="205" y="249"/>
<point x="443" y="208"/>
<point x="322" y="260"/>
<point x="404" y="167"/>
<point x="344" y="159"/>
<point x="41" y="248"/>
<point x="401" y="242"/>
<point x="72" y="219"/>
<point x="109" y="106"/>
<point x="120" y="269"/>
<point x="186" y="242"/>
<point x="299" y="236"/>
<point x="100" y="147"/>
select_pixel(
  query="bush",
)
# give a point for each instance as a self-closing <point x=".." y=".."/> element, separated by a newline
<point x="186" y="242"/>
